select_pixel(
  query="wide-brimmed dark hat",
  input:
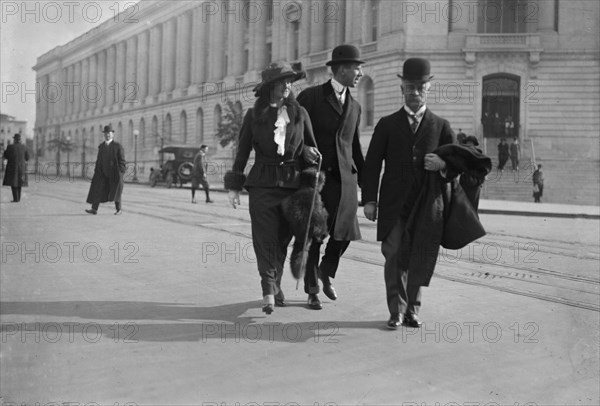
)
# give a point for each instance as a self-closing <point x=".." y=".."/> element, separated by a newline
<point x="471" y="138"/>
<point x="108" y="129"/>
<point x="344" y="54"/>
<point x="416" y="69"/>
<point x="280" y="70"/>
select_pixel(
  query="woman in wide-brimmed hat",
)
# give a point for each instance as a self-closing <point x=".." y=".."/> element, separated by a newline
<point x="279" y="131"/>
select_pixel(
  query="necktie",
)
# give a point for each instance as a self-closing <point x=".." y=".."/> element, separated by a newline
<point x="340" y="98"/>
<point x="414" y="123"/>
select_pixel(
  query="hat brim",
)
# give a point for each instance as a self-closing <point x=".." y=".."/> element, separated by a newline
<point x="421" y="79"/>
<point x="341" y="61"/>
<point x="295" y="76"/>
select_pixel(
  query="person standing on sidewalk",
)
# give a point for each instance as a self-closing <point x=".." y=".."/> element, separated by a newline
<point x="503" y="154"/>
<point x="280" y="132"/>
<point x="15" y="175"/>
<point x="515" y="153"/>
<point x="335" y="117"/>
<point x="405" y="141"/>
<point x="538" y="184"/>
<point x="107" y="182"/>
<point x="199" y="174"/>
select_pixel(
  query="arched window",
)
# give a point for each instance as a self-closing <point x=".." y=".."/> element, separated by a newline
<point x="200" y="126"/>
<point x="217" y="116"/>
<point x="366" y="97"/>
<point x="142" y="130"/>
<point x="168" y="135"/>
<point x="183" y="127"/>
<point x="130" y="135"/>
<point x="120" y="132"/>
<point x="154" y="129"/>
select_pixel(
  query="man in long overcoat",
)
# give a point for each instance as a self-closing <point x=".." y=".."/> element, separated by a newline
<point x="335" y="117"/>
<point x="405" y="141"/>
<point x="16" y="156"/>
<point x="107" y="182"/>
<point x="199" y="174"/>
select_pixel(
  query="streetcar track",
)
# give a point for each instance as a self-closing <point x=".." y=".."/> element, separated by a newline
<point x="439" y="274"/>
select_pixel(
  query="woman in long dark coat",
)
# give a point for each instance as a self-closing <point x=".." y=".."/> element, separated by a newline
<point x="280" y="132"/>
<point x="15" y="176"/>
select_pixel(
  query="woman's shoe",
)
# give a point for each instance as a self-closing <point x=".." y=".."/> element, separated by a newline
<point x="268" y="304"/>
<point x="268" y="309"/>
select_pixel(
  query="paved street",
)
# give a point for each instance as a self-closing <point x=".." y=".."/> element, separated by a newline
<point x="161" y="306"/>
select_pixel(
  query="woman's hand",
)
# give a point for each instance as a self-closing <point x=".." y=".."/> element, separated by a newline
<point x="311" y="155"/>
<point x="234" y="198"/>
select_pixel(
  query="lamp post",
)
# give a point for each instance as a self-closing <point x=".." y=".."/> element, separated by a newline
<point x="68" y="156"/>
<point x="135" y="138"/>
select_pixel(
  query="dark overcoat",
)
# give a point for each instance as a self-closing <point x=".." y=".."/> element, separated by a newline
<point x="403" y="152"/>
<point x="16" y="166"/>
<point x="107" y="182"/>
<point x="337" y="135"/>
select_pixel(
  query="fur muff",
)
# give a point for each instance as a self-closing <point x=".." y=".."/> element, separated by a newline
<point x="296" y="210"/>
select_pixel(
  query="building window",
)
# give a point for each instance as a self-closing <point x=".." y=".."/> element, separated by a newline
<point x="167" y="130"/>
<point x="183" y="126"/>
<point x="130" y="134"/>
<point x="366" y="97"/>
<point x="371" y="15"/>
<point x="217" y="117"/>
<point x="142" y="132"/>
<point x="503" y="16"/>
<point x="295" y="31"/>
<point x="199" y="126"/>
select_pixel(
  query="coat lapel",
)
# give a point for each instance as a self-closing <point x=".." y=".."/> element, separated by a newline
<point x="331" y="99"/>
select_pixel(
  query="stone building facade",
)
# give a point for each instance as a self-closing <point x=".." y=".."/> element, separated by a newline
<point x="161" y="73"/>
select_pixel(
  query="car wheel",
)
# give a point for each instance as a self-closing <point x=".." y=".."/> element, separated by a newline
<point x="184" y="172"/>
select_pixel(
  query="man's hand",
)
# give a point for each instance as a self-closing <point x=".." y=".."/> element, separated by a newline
<point x="234" y="198"/>
<point x="370" y="211"/>
<point x="311" y="155"/>
<point x="434" y="163"/>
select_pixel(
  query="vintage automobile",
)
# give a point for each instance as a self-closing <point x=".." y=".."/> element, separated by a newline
<point x="177" y="168"/>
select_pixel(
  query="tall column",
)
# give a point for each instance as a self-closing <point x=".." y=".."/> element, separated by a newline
<point x="184" y="50"/>
<point x="91" y="90"/>
<point x="84" y="81"/>
<point x="236" y="47"/>
<point x="101" y="75"/>
<point x="131" y="87"/>
<point x="154" y="68"/>
<point x="77" y="88"/>
<point x="143" y="62"/>
<point x="121" y="72"/>
<point x="317" y="26"/>
<point x="258" y="46"/>
<point x="199" y="42"/>
<point x="216" y="56"/>
<point x="168" y="56"/>
<point x="111" y="91"/>
<point x="69" y="94"/>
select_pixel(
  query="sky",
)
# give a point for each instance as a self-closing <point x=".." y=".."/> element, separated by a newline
<point x="29" y="29"/>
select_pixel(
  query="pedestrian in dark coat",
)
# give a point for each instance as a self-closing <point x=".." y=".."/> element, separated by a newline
<point x="515" y="154"/>
<point x="199" y="174"/>
<point x="280" y="132"/>
<point x="15" y="175"/>
<point x="503" y="154"/>
<point x="538" y="184"/>
<point x="107" y="182"/>
<point x="335" y="117"/>
<point x="405" y="141"/>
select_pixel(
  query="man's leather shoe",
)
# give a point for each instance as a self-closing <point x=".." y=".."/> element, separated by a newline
<point x="328" y="288"/>
<point x="394" y="322"/>
<point x="91" y="211"/>
<point x="118" y="212"/>
<point x="314" y="302"/>
<point x="412" y="320"/>
<point x="210" y="201"/>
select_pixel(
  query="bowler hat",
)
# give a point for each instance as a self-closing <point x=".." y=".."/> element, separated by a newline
<point x="17" y="137"/>
<point x="280" y="70"/>
<point x="108" y="129"/>
<point x="416" y="69"/>
<point x="471" y="138"/>
<point x="344" y="54"/>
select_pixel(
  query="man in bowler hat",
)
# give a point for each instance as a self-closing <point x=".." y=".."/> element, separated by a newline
<point x="335" y="117"/>
<point x="16" y="156"/>
<point x="405" y="141"/>
<point x="107" y="182"/>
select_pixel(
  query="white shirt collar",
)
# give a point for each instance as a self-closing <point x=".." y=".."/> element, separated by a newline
<point x="418" y="114"/>
<point x="338" y="87"/>
<point x="108" y="142"/>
